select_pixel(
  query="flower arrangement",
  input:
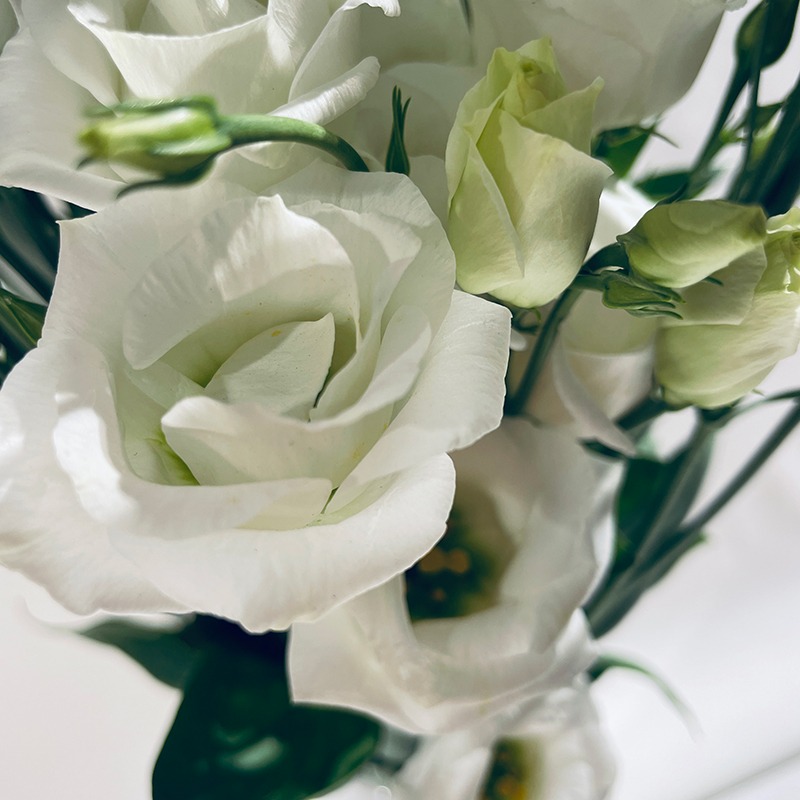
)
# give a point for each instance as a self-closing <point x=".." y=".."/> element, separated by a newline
<point x="342" y="334"/>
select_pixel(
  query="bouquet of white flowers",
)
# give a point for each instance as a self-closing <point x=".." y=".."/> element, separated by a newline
<point x="341" y="331"/>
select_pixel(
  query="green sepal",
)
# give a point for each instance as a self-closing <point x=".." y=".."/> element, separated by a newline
<point x="396" y="156"/>
<point x="638" y="296"/>
<point x="200" y="102"/>
<point x="208" y="145"/>
<point x="237" y="735"/>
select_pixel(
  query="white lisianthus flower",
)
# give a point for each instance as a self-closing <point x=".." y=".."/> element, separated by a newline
<point x="241" y="405"/>
<point x="490" y="616"/>
<point x="550" y="749"/>
<point x="295" y="58"/>
<point x="648" y="52"/>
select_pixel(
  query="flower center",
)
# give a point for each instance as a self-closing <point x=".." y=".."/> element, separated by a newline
<point x="510" y="775"/>
<point x="462" y="574"/>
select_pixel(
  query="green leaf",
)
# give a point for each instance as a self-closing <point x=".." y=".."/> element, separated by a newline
<point x="668" y="184"/>
<point x="780" y="23"/>
<point x="164" y="654"/>
<point x="620" y="147"/>
<point x="237" y="736"/>
<point x="608" y="661"/>
<point x="639" y="296"/>
<point x="20" y="325"/>
<point x="644" y="490"/>
<point x="28" y="239"/>
<point x="396" y="156"/>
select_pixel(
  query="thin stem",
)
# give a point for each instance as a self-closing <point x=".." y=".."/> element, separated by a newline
<point x="779" y="151"/>
<point x="711" y="147"/>
<point x="685" y="480"/>
<point x="649" y="409"/>
<point x="776" y="438"/>
<point x="752" y="112"/>
<point x="251" y="128"/>
<point x="541" y="350"/>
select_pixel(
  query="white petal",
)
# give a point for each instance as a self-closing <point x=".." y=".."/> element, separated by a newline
<point x="457" y="399"/>
<point x="282" y="369"/>
<point x="74" y="558"/>
<point x="110" y="251"/>
<point x="41" y="117"/>
<point x="252" y="259"/>
<point x="268" y="579"/>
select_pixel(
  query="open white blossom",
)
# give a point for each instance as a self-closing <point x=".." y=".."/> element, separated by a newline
<point x="295" y="58"/>
<point x="490" y="616"/>
<point x="241" y="405"/>
<point x="550" y="749"/>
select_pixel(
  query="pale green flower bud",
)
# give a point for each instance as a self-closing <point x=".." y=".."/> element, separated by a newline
<point x="680" y="244"/>
<point x="523" y="189"/>
<point x="168" y="141"/>
<point x="714" y="364"/>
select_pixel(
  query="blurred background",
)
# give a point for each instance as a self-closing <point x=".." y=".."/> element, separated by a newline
<point x="80" y="721"/>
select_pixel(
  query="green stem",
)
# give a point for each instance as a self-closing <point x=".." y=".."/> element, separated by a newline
<point x="752" y="111"/>
<point x="541" y="350"/>
<point x="757" y="460"/>
<point x="649" y="409"/>
<point x="779" y="152"/>
<point x="685" y="481"/>
<point x="251" y="128"/>
<point x="711" y="147"/>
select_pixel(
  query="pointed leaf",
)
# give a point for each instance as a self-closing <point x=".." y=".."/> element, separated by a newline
<point x="237" y="736"/>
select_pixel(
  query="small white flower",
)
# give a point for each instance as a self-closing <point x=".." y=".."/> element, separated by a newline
<point x="489" y="617"/>
<point x="242" y="405"/>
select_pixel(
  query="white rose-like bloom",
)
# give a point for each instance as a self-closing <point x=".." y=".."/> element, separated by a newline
<point x="242" y="405"/>
<point x="648" y="52"/>
<point x="490" y="616"/>
<point x="551" y="749"/>
<point x="295" y="58"/>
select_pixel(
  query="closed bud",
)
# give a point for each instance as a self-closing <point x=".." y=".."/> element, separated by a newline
<point x="679" y="244"/>
<point x="523" y="190"/>
<point x="715" y="363"/>
<point x="169" y="140"/>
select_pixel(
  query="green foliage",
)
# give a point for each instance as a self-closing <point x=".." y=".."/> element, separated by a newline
<point x="620" y="147"/>
<point x="779" y="18"/>
<point x="168" y="655"/>
<point x="669" y="184"/>
<point x="20" y="325"/>
<point x="237" y="736"/>
<point x="607" y="661"/>
<point x="638" y="296"/>
<point x="28" y="240"/>
<point x="396" y="156"/>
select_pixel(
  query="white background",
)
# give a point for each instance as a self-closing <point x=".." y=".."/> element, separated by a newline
<point x="79" y="721"/>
